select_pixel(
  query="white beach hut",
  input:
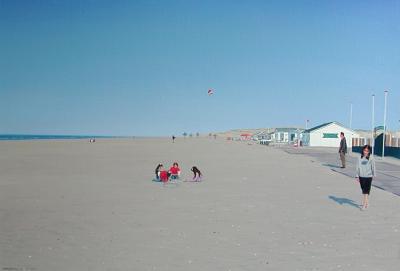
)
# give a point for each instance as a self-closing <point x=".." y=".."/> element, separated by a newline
<point x="328" y="135"/>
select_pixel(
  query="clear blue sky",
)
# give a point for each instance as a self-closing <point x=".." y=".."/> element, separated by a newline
<point x="144" y="67"/>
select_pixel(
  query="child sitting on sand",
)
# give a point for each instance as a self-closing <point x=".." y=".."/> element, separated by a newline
<point x="175" y="171"/>
<point x="197" y="174"/>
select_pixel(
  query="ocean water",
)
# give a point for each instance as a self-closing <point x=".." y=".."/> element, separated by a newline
<point x="43" y="137"/>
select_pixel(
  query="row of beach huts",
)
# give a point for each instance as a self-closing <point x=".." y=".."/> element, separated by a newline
<point x="324" y="135"/>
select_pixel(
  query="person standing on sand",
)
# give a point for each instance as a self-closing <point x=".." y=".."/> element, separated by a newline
<point x="196" y="174"/>
<point x="343" y="149"/>
<point x="365" y="172"/>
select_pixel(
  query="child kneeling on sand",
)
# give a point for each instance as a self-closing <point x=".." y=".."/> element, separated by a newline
<point x="157" y="172"/>
<point x="175" y="171"/>
<point x="161" y="174"/>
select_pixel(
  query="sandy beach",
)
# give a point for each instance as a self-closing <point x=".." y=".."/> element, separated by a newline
<point x="71" y="205"/>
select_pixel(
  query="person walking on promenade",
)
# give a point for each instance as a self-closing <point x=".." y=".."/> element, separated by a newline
<point x="365" y="172"/>
<point x="343" y="149"/>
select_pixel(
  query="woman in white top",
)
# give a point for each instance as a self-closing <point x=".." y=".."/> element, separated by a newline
<point x="365" y="172"/>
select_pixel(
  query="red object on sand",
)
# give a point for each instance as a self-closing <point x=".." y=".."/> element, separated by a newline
<point x="164" y="176"/>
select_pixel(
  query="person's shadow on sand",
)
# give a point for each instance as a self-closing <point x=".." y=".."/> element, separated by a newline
<point x="343" y="201"/>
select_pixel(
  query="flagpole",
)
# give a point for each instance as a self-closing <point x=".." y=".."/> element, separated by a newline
<point x="384" y="125"/>
<point x="351" y="115"/>
<point x="373" y="124"/>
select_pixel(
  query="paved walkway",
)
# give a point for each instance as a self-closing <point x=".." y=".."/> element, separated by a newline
<point x="388" y="171"/>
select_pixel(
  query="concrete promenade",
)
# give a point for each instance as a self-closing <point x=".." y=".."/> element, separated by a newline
<point x="388" y="169"/>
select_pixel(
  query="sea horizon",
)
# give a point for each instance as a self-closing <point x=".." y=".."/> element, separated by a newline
<point x="53" y="136"/>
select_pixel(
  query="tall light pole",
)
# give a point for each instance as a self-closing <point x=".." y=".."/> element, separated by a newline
<point x="307" y="121"/>
<point x="351" y="115"/>
<point x="373" y="124"/>
<point x="398" y="131"/>
<point x="384" y="125"/>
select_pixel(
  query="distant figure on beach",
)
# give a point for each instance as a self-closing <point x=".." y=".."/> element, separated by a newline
<point x="92" y="140"/>
<point x="343" y="149"/>
<point x="196" y="174"/>
<point x="175" y="171"/>
<point x="157" y="171"/>
<point x="173" y="139"/>
<point x="365" y="172"/>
